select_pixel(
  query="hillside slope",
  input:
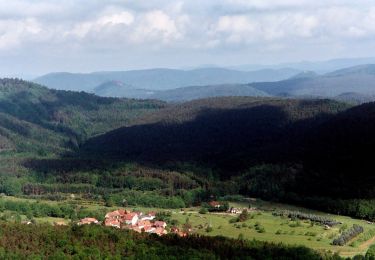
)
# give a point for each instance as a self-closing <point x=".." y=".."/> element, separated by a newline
<point x="200" y="92"/>
<point x="119" y="89"/>
<point x="305" y="147"/>
<point x="33" y="117"/>
<point x="227" y="134"/>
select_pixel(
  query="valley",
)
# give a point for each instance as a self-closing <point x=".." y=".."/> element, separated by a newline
<point x="275" y="229"/>
<point x="76" y="155"/>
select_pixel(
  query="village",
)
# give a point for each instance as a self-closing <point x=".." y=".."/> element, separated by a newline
<point x="136" y="221"/>
<point x="140" y="222"/>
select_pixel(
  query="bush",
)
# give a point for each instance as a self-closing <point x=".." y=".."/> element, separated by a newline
<point x="203" y="211"/>
<point x="370" y="254"/>
<point x="346" y="236"/>
<point x="261" y="229"/>
<point x="233" y="220"/>
<point x="243" y="216"/>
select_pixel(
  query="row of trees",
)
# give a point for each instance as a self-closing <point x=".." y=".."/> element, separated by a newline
<point x="348" y="235"/>
<point x="300" y="215"/>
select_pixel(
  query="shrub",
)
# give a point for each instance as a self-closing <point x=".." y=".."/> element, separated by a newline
<point x="261" y="229"/>
<point x="347" y="235"/>
<point x="243" y="216"/>
<point x="233" y="220"/>
<point x="209" y="229"/>
<point x="370" y="254"/>
<point x="203" y="211"/>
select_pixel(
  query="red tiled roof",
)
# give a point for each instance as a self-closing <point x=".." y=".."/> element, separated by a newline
<point x="144" y="223"/>
<point x="88" y="220"/>
<point x="112" y="222"/>
<point x="214" y="203"/>
<point x="148" y="228"/>
<point x="130" y="216"/>
<point x="116" y="213"/>
<point x="160" y="231"/>
<point x="160" y="224"/>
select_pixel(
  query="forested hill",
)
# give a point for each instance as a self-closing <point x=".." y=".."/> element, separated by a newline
<point x="283" y="146"/>
<point x="227" y="134"/>
<point x="34" y="118"/>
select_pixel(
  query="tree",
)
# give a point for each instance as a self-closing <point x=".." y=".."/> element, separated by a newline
<point x="244" y="215"/>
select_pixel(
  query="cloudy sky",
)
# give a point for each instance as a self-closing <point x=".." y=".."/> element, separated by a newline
<point x="39" y="36"/>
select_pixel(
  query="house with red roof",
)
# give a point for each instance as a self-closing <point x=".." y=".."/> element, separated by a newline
<point x="117" y="214"/>
<point x="149" y="229"/>
<point x="112" y="223"/>
<point x="144" y="223"/>
<point x="88" y="221"/>
<point x="131" y="218"/>
<point x="160" y="231"/>
<point x="215" y="204"/>
<point x="159" y="224"/>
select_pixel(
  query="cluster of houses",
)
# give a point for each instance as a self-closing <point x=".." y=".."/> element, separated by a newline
<point x="136" y="221"/>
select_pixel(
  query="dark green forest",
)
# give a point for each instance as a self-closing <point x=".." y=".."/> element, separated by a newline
<point x="95" y="242"/>
<point x="277" y="149"/>
<point x="43" y="121"/>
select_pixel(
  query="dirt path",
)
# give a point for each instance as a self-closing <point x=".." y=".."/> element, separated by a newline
<point x="366" y="244"/>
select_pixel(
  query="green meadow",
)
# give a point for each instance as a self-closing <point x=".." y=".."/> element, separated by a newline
<point x="262" y="224"/>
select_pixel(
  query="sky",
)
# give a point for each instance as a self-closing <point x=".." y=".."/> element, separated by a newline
<point x="40" y="36"/>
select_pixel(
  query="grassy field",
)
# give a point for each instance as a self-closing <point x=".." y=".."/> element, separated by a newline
<point x="276" y="229"/>
<point x="280" y="229"/>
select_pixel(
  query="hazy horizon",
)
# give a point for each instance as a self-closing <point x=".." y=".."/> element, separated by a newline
<point x="38" y="37"/>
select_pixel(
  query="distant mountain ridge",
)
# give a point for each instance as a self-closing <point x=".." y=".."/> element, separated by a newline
<point x="358" y="79"/>
<point x="216" y="82"/>
<point x="161" y="79"/>
<point x="320" y="67"/>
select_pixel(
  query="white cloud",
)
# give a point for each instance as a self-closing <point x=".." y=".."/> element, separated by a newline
<point x="24" y="8"/>
<point x="194" y="28"/>
<point x="123" y="18"/>
<point x="14" y="32"/>
<point x="254" y="28"/>
<point x="157" y="25"/>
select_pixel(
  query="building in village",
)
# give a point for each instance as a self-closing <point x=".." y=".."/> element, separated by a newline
<point x="136" y="221"/>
